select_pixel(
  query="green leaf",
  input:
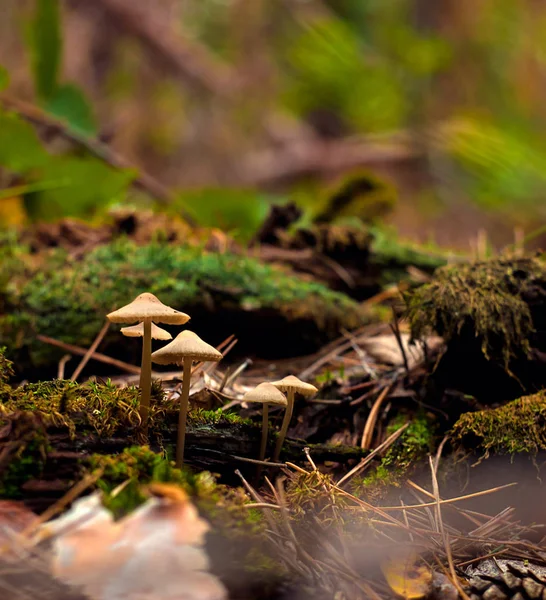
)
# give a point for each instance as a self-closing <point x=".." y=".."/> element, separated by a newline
<point x="46" y="46"/>
<point x="20" y="148"/>
<point x="27" y="188"/>
<point x="504" y="168"/>
<point x="85" y="186"/>
<point x="238" y="211"/>
<point x="70" y="104"/>
<point x="4" y="78"/>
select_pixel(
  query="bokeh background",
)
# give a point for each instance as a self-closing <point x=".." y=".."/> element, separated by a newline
<point x="230" y="105"/>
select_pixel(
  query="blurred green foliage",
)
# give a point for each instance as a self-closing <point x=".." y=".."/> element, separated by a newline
<point x="362" y="79"/>
<point x="45" y="42"/>
<point x="504" y="167"/>
<point x="56" y="185"/>
<point x="463" y="83"/>
<point x="237" y="211"/>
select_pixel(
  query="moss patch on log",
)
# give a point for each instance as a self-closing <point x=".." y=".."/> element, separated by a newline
<point x="67" y="298"/>
<point x="489" y="298"/>
<point x="514" y="428"/>
<point x="105" y="409"/>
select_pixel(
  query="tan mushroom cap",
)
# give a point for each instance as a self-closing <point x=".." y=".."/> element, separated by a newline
<point x="266" y="393"/>
<point x="185" y="344"/>
<point x="138" y="331"/>
<point x="147" y="306"/>
<point x="292" y="382"/>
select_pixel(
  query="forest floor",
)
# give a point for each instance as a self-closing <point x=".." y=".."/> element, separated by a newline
<point x="414" y="471"/>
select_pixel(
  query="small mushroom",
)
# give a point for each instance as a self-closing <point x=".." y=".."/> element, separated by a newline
<point x="185" y="348"/>
<point x="267" y="394"/>
<point x="290" y="384"/>
<point x="147" y="308"/>
<point x="138" y="331"/>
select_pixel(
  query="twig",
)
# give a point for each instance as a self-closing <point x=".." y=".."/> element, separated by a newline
<point x="306" y="157"/>
<point x="358" y="386"/>
<point x="385" y="294"/>
<point x="62" y="364"/>
<point x="184" y="56"/>
<point x="308" y="455"/>
<point x="369" y="427"/>
<point x="361" y="355"/>
<point x="395" y="326"/>
<point x="258" y="499"/>
<point x="123" y="366"/>
<point x="262" y="505"/>
<point x="457" y="499"/>
<point x="366" y="461"/>
<point x="59" y="506"/>
<point x="445" y="535"/>
<point x="231" y="377"/>
<point x="91" y="351"/>
<point x="366" y="395"/>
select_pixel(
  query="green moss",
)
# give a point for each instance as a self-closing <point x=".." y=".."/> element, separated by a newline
<point x="133" y="468"/>
<point x="486" y="297"/>
<point x="393" y="256"/>
<point x="233" y="523"/>
<point x="312" y="493"/>
<point x="201" y="417"/>
<point x="138" y="466"/>
<point x="68" y="298"/>
<point x="6" y="373"/>
<point x="101" y="407"/>
<point x="409" y="448"/>
<point x="360" y="194"/>
<point x="6" y="367"/>
<point x="517" y="427"/>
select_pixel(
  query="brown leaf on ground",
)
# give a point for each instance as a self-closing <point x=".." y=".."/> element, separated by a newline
<point x="155" y="552"/>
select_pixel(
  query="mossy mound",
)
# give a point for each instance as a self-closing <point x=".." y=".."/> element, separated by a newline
<point x="492" y="315"/>
<point x="514" y="428"/>
<point x="67" y="299"/>
<point x="488" y="296"/>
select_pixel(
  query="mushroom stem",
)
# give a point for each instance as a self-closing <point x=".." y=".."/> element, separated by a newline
<point x="184" y="401"/>
<point x="265" y="427"/>
<point x="146" y="373"/>
<point x="285" y="423"/>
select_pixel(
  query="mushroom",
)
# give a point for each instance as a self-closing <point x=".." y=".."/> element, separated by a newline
<point x="267" y="394"/>
<point x="147" y="308"/>
<point x="138" y="331"/>
<point x="290" y="384"/>
<point x="185" y="348"/>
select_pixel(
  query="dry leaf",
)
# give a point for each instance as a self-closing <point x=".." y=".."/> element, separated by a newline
<point x="15" y="517"/>
<point x="386" y="349"/>
<point x="405" y="577"/>
<point x="156" y="552"/>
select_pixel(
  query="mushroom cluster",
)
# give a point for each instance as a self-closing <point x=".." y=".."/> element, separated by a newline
<point x="272" y="393"/>
<point x="187" y="346"/>
<point x="146" y="310"/>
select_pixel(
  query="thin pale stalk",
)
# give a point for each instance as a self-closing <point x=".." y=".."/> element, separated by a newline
<point x="265" y="427"/>
<point x="91" y="351"/>
<point x="284" y="426"/>
<point x="182" y="416"/>
<point x="146" y="373"/>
